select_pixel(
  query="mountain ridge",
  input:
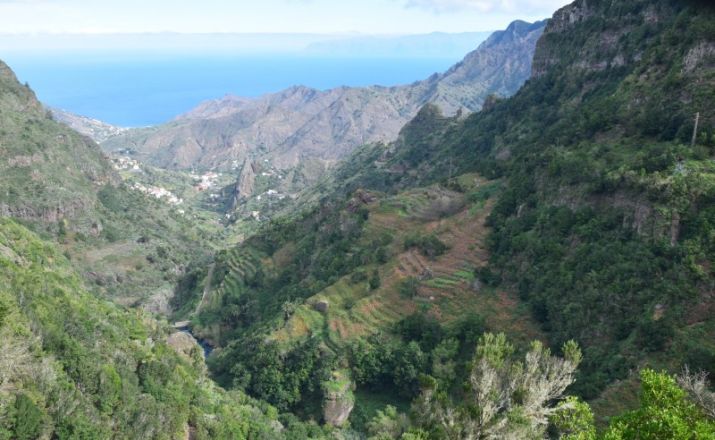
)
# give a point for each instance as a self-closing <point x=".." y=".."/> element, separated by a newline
<point x="326" y="125"/>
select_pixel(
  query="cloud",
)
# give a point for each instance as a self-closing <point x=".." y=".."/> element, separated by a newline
<point x="488" y="6"/>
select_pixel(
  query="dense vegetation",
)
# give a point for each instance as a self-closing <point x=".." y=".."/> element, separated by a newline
<point x="75" y="367"/>
<point x="603" y="222"/>
<point x="58" y="183"/>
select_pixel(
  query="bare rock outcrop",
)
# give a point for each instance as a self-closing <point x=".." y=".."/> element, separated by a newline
<point x="339" y="399"/>
<point x="184" y="344"/>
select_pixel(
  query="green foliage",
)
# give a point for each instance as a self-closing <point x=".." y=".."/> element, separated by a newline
<point x="423" y="347"/>
<point x="79" y="367"/>
<point x="374" y="281"/>
<point x="505" y="397"/>
<point x="429" y="245"/>
<point x="424" y="330"/>
<point x="665" y="412"/>
<point x="387" y="424"/>
<point x="358" y="276"/>
<point x="574" y="420"/>
<point x="111" y="199"/>
<point x="408" y="287"/>
<point x="28" y="418"/>
<point x="4" y="311"/>
<point x="484" y="193"/>
<point x="110" y="389"/>
<point x="285" y="380"/>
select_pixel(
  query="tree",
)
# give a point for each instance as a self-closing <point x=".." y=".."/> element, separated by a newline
<point x="665" y="412"/>
<point x="410" y="360"/>
<point x="507" y="398"/>
<point x="697" y="387"/>
<point x="574" y="420"/>
<point x="374" y="280"/>
<point x="387" y="424"/>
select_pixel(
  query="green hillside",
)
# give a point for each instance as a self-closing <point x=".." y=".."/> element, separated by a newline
<point x="601" y="229"/>
<point x="73" y="366"/>
<point x="131" y="247"/>
<point x="604" y="227"/>
<point x="540" y="269"/>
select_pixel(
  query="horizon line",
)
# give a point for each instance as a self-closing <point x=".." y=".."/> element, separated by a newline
<point x="178" y="33"/>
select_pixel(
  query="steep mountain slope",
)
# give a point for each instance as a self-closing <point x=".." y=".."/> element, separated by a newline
<point x="72" y="366"/>
<point x="603" y="226"/>
<point x="61" y="184"/>
<point x="49" y="171"/>
<point x="302" y="123"/>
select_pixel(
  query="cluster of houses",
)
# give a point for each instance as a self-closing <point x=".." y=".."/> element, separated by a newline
<point x="125" y="163"/>
<point x="271" y="193"/>
<point x="159" y="193"/>
<point x="205" y="181"/>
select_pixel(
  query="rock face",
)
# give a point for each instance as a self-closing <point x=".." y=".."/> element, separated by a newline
<point x="303" y="123"/>
<point x="183" y="344"/>
<point x="604" y="50"/>
<point x="245" y="183"/>
<point x="339" y="400"/>
<point x="321" y="306"/>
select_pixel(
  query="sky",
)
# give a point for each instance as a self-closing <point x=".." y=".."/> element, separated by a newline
<point x="267" y="16"/>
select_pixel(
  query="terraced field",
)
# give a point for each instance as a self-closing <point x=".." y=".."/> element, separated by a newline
<point x="242" y="263"/>
<point x="447" y="286"/>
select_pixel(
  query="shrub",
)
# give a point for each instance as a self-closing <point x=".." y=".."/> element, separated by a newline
<point x="429" y="245"/>
<point x="358" y="276"/>
<point x="28" y="420"/>
<point x="408" y="287"/>
<point x="374" y="280"/>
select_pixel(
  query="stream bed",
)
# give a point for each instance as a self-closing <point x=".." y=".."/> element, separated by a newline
<point x="205" y="345"/>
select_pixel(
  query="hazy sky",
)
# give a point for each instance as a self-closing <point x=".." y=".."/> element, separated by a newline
<point x="290" y="16"/>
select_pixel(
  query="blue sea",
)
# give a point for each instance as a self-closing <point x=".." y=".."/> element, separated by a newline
<point x="133" y="90"/>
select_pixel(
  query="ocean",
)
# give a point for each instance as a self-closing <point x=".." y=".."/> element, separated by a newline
<point x="135" y="89"/>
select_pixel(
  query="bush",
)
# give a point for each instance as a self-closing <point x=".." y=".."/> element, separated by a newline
<point x="28" y="420"/>
<point x="109" y="197"/>
<point x="665" y="412"/>
<point x="421" y="328"/>
<point x="408" y="287"/>
<point x="429" y="245"/>
<point x="5" y="310"/>
<point x="358" y="276"/>
<point x="375" y="280"/>
<point x="653" y="335"/>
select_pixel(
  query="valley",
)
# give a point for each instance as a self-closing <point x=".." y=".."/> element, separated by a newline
<point x="521" y="247"/>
